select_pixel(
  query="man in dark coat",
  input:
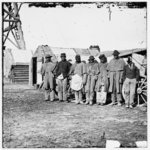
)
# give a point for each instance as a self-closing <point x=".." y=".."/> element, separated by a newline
<point x="62" y="72"/>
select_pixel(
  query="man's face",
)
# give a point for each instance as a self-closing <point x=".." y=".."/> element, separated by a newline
<point x="116" y="56"/>
<point x="63" y="58"/>
<point x="91" y="61"/>
<point x="102" y="60"/>
<point x="129" y="62"/>
<point x="48" y="59"/>
<point x="78" y="59"/>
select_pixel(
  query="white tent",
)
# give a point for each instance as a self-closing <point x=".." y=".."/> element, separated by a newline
<point x="21" y="56"/>
<point x="70" y="53"/>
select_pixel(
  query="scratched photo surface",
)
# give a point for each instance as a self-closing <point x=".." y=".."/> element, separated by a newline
<point x="74" y="74"/>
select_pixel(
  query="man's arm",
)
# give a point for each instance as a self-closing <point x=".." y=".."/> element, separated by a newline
<point x="137" y="73"/>
<point x="57" y="69"/>
<point x="124" y="73"/>
<point x="72" y="69"/>
<point x="42" y="70"/>
<point x="69" y="65"/>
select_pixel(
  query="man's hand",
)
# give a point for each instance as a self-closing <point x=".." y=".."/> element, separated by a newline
<point x="83" y="82"/>
<point x="96" y="77"/>
<point x="70" y="77"/>
<point x="121" y="80"/>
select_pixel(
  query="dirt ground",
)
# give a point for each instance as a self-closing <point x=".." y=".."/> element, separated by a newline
<point x="29" y="121"/>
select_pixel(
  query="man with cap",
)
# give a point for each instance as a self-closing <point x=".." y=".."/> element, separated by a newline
<point x="47" y="71"/>
<point x="131" y="76"/>
<point x="102" y="82"/>
<point x="78" y="72"/>
<point x="62" y="72"/>
<point x="92" y="75"/>
<point x="115" y="73"/>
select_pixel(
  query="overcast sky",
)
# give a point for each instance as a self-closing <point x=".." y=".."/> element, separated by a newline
<point x="82" y="26"/>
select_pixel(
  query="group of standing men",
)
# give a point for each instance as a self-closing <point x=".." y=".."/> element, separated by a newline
<point x="91" y="78"/>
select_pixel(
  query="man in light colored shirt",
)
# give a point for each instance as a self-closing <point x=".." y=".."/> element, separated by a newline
<point x="102" y="82"/>
<point x="47" y="71"/>
<point x="115" y="72"/>
<point x="92" y="76"/>
<point x="131" y="76"/>
<point x="78" y="69"/>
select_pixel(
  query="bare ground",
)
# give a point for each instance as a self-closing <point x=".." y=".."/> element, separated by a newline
<point x="29" y="121"/>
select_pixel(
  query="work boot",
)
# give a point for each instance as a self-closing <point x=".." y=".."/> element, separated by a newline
<point x="127" y="106"/>
<point x="91" y="103"/>
<point x="47" y="100"/>
<point x="111" y="104"/>
<point x="68" y="101"/>
<point x="102" y="104"/>
<point x="130" y="106"/>
<point x="52" y="100"/>
<point x="77" y="102"/>
<point x="119" y="104"/>
<point x="86" y="103"/>
<point x="81" y="102"/>
<point x="60" y="101"/>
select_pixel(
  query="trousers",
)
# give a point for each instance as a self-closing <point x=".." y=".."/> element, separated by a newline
<point x="78" y="96"/>
<point x="90" y="88"/>
<point x="101" y="96"/>
<point x="49" y="95"/>
<point x="129" y="86"/>
<point x="115" y="94"/>
<point x="62" y="89"/>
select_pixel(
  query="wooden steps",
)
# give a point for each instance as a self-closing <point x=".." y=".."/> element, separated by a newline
<point x="21" y="73"/>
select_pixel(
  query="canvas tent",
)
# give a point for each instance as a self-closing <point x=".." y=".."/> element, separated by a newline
<point x="42" y="50"/>
<point x="38" y="59"/>
<point x="70" y="53"/>
<point x="84" y="53"/>
<point x="124" y="53"/>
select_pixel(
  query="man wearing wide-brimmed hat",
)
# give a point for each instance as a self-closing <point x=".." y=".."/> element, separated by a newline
<point x="102" y="82"/>
<point x="92" y="75"/>
<point x="47" y="71"/>
<point x="115" y="69"/>
<point x="78" y="72"/>
<point x="62" y="72"/>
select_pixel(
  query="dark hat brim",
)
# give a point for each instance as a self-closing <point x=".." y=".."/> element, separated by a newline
<point x="48" y="56"/>
<point x="116" y="53"/>
<point x="101" y="56"/>
<point x="91" y="59"/>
